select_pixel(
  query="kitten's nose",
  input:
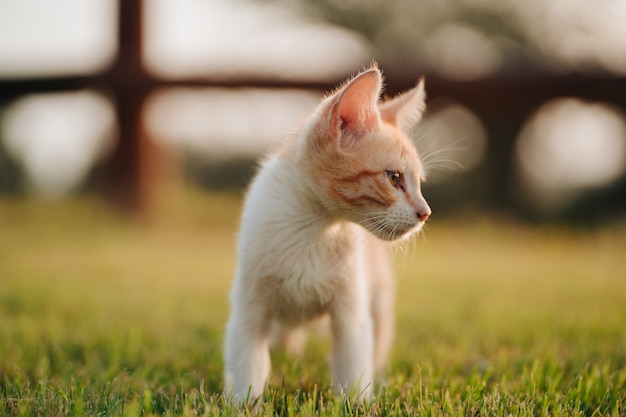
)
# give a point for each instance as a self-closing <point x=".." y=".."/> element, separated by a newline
<point x="423" y="211"/>
<point x="423" y="215"/>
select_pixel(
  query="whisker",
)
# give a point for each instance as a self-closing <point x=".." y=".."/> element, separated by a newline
<point x="444" y="163"/>
<point x="420" y="136"/>
<point x="441" y="159"/>
<point x="449" y="147"/>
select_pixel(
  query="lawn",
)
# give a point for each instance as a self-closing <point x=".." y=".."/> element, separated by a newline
<point x="105" y="315"/>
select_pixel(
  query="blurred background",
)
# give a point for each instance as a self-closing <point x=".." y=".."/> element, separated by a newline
<point x="526" y="113"/>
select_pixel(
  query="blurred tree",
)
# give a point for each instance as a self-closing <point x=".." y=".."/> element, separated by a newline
<point x="558" y="36"/>
<point x="399" y="30"/>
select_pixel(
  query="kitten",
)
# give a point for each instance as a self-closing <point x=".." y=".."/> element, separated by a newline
<point x="314" y="233"/>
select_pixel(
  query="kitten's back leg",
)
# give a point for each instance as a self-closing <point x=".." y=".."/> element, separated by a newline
<point x="292" y="338"/>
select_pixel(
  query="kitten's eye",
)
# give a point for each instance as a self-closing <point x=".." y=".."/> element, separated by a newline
<point x="394" y="177"/>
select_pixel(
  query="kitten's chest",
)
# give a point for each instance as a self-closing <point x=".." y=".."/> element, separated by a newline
<point x="292" y="255"/>
<point x="311" y="276"/>
<point x="301" y="270"/>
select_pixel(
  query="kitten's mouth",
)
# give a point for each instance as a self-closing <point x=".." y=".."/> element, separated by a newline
<point x="391" y="233"/>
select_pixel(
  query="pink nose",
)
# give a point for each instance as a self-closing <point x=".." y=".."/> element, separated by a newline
<point x="422" y="209"/>
<point x="423" y="215"/>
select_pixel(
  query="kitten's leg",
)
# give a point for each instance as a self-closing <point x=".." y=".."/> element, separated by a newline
<point x="291" y="338"/>
<point x="352" y="359"/>
<point x="382" y="291"/>
<point x="383" y="315"/>
<point x="246" y="356"/>
<point x="295" y="341"/>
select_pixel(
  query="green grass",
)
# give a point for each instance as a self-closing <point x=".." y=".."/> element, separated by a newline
<point x="100" y="315"/>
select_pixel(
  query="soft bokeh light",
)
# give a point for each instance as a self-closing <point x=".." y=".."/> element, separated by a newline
<point x="225" y="38"/>
<point x="576" y="34"/>
<point x="560" y="35"/>
<point x="569" y="145"/>
<point x="462" y="53"/>
<point x="451" y="139"/>
<point x="58" y="137"/>
<point x="61" y="37"/>
<point x="221" y="123"/>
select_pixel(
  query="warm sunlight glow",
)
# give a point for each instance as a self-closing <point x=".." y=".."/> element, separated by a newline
<point x="223" y="38"/>
<point x="222" y="123"/>
<point x="461" y="53"/>
<point x="451" y="139"/>
<point x="58" y="137"/>
<point x="61" y="37"/>
<point x="576" y="33"/>
<point x="570" y="144"/>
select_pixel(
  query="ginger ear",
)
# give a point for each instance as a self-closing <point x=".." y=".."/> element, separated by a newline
<point x="354" y="109"/>
<point x="406" y="109"/>
<point x="357" y="103"/>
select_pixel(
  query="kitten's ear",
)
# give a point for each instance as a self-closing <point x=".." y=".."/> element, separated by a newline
<point x="406" y="109"/>
<point x="354" y="109"/>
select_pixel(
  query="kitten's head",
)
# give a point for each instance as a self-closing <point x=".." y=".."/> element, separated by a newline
<point x="359" y="160"/>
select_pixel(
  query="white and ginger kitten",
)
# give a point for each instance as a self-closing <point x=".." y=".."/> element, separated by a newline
<point x="314" y="234"/>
